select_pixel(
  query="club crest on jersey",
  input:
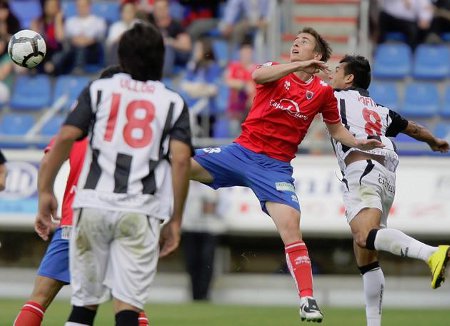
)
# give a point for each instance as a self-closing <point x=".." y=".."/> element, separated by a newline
<point x="309" y="95"/>
<point x="290" y="106"/>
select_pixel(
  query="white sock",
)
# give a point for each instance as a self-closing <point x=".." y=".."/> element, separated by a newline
<point x="373" y="281"/>
<point x="400" y="244"/>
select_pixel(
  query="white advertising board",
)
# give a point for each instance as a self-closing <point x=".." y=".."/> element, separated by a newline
<point x="422" y="204"/>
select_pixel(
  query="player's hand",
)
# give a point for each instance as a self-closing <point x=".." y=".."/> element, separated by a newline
<point x="47" y="209"/>
<point x="169" y="238"/>
<point x="440" y="145"/>
<point x="368" y="144"/>
<point x="314" y="66"/>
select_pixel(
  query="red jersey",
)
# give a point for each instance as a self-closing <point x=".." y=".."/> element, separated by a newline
<point x="282" y="112"/>
<point x="76" y="159"/>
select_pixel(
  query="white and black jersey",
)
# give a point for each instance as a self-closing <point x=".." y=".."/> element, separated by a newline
<point x="129" y="124"/>
<point x="366" y="119"/>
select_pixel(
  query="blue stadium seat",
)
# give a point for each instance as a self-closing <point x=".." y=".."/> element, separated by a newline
<point x="392" y="60"/>
<point x="31" y="93"/>
<point x="71" y="86"/>
<point x="222" y="98"/>
<point x="445" y="108"/>
<point x="385" y="93"/>
<point x="442" y="130"/>
<point x="220" y="48"/>
<point x="26" y="11"/>
<point x="431" y="62"/>
<point x="177" y="11"/>
<point x="221" y="128"/>
<point x="108" y="10"/>
<point x="15" y="124"/>
<point x="422" y="100"/>
<point x="51" y="127"/>
<point x="69" y="8"/>
<point x="395" y="36"/>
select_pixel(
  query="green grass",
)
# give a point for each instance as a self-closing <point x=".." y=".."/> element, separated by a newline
<point x="203" y="314"/>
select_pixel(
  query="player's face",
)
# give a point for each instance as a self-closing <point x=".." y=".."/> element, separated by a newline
<point x="303" y="48"/>
<point x="338" y="78"/>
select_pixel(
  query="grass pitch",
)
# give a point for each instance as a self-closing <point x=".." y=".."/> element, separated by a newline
<point x="204" y="314"/>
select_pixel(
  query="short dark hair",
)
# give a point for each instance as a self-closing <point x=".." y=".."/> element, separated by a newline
<point x="141" y="52"/>
<point x="359" y="67"/>
<point x="322" y="46"/>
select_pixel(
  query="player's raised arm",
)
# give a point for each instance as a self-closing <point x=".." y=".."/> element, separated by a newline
<point x="421" y="133"/>
<point x="341" y="134"/>
<point x="270" y="72"/>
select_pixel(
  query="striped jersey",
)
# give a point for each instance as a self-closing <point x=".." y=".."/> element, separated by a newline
<point x="366" y="119"/>
<point x="129" y="124"/>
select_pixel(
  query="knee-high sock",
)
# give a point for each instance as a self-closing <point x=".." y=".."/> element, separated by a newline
<point x="299" y="264"/>
<point x="373" y="281"/>
<point x="143" y="319"/>
<point x="31" y="314"/>
<point x="398" y="243"/>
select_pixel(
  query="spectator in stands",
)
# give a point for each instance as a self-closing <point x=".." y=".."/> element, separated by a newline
<point x="128" y="11"/>
<point x="412" y="18"/>
<point x="202" y="17"/>
<point x="243" y="18"/>
<point x="177" y="40"/>
<point x="3" y="171"/>
<point x="238" y="77"/>
<point x="202" y="76"/>
<point x="9" y="24"/>
<point x="201" y="225"/>
<point x="51" y="26"/>
<point x="84" y="35"/>
<point x="6" y="70"/>
<point x="441" y="21"/>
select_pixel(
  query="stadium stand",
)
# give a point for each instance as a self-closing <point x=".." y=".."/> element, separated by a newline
<point x="109" y="10"/>
<point x="15" y="124"/>
<point x="431" y="62"/>
<point x="385" y="93"/>
<point x="31" y="93"/>
<point x="70" y="86"/>
<point x="51" y="127"/>
<point x="445" y="108"/>
<point x="26" y="11"/>
<point x="392" y="61"/>
<point x="422" y="100"/>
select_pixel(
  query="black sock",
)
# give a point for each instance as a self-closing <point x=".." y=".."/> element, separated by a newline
<point x="82" y="315"/>
<point x="367" y="268"/>
<point x="127" y="318"/>
<point x="370" y="241"/>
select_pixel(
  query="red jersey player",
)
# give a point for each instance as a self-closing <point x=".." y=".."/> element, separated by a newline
<point x="288" y="96"/>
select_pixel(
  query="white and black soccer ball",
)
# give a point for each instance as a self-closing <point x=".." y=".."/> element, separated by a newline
<point x="27" y="48"/>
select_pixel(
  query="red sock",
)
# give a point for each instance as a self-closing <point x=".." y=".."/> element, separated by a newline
<point x="143" y="320"/>
<point x="299" y="264"/>
<point x="31" y="314"/>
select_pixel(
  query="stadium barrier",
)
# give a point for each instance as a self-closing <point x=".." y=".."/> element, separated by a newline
<point x="421" y="206"/>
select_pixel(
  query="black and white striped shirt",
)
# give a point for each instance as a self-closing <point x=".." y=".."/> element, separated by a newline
<point x="129" y="124"/>
<point x="366" y="119"/>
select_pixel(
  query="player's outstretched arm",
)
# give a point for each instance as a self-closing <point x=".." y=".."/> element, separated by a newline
<point x="341" y="134"/>
<point x="269" y="73"/>
<point x="50" y="165"/>
<point x="421" y="133"/>
<point x="3" y="172"/>
<point x="181" y="163"/>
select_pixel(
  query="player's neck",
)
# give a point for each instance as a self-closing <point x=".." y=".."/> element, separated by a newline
<point x="304" y="76"/>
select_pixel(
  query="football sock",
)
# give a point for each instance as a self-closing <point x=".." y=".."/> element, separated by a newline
<point x="299" y="265"/>
<point x="31" y="314"/>
<point x="127" y="318"/>
<point x="81" y="316"/>
<point x="373" y="281"/>
<point x="143" y="319"/>
<point x="398" y="243"/>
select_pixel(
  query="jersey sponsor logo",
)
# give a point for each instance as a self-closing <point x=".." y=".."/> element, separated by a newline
<point x="212" y="150"/>
<point x="294" y="198"/>
<point x="309" y="95"/>
<point x="65" y="232"/>
<point x="289" y="106"/>
<point x="284" y="186"/>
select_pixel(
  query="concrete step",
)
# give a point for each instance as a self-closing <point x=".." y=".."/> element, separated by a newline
<point x="329" y="26"/>
<point x="327" y="10"/>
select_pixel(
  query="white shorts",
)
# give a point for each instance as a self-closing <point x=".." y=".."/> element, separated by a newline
<point x="112" y="253"/>
<point x="368" y="184"/>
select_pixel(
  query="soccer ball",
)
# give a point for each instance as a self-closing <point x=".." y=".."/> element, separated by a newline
<point x="27" y="48"/>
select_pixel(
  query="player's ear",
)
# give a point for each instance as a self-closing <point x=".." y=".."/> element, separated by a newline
<point x="349" y="79"/>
